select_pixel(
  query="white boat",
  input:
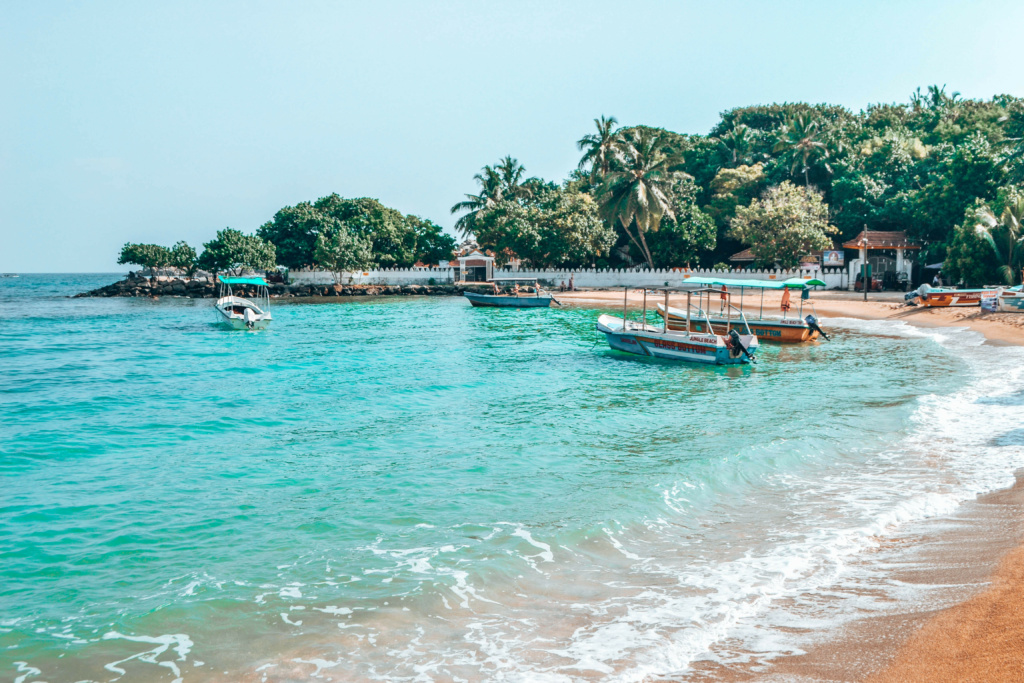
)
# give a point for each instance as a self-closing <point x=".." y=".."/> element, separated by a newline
<point x="1011" y="300"/>
<point x="659" y="341"/>
<point x="240" y="313"/>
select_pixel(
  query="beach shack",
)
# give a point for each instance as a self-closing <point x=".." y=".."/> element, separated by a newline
<point x="475" y="266"/>
<point x="885" y="252"/>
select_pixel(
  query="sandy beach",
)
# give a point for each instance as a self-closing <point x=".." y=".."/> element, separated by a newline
<point x="982" y="637"/>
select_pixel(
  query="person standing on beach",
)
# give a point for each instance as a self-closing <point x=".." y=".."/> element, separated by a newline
<point x="572" y="282"/>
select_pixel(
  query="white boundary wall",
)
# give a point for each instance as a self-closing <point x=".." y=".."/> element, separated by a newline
<point x="836" y="278"/>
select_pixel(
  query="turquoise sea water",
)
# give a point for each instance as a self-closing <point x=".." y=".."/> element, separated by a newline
<point x="412" y="489"/>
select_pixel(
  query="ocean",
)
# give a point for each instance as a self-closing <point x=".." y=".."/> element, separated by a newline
<point x="410" y="489"/>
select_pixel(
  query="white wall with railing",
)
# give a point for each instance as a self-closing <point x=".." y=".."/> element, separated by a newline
<point x="835" y="278"/>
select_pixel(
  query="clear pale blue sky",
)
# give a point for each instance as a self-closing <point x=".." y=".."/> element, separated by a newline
<point x="154" y="122"/>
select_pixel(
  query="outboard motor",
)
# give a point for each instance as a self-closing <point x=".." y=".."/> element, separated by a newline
<point x="734" y="337"/>
<point x="250" y="318"/>
<point x="812" y="323"/>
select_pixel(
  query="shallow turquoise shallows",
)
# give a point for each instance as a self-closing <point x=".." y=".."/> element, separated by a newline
<point x="413" y="489"/>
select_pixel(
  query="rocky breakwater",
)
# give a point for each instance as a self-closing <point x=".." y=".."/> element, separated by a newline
<point x="136" y="285"/>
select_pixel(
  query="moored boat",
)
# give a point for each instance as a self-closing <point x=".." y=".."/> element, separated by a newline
<point x="240" y="313"/>
<point x="517" y="299"/>
<point x="1011" y="300"/>
<point x="643" y="339"/>
<point x="937" y="297"/>
<point x="785" y="330"/>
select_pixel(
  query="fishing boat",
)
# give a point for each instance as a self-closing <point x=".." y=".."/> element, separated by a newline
<point x="1011" y="300"/>
<point x="941" y="297"/>
<point x="240" y="313"/>
<point x="658" y="341"/>
<point x="516" y="299"/>
<point x="785" y="330"/>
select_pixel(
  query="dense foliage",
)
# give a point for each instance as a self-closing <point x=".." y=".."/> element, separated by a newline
<point x="396" y="240"/>
<point x="180" y="256"/>
<point x="341" y="251"/>
<point x="785" y="223"/>
<point x="921" y="166"/>
<point x="232" y="251"/>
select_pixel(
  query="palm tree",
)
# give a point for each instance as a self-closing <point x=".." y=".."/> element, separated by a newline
<point x="636" y="191"/>
<point x="736" y="145"/>
<point x="490" y="194"/>
<point x="499" y="182"/>
<point x="597" y="148"/>
<point x="1009" y="224"/>
<point x="798" y="142"/>
<point x="511" y="173"/>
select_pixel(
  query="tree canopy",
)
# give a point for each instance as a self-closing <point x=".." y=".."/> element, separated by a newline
<point x="232" y="251"/>
<point x="785" y="223"/>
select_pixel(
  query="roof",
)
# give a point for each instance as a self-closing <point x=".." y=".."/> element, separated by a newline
<point x="879" y="239"/>
<point x="791" y="283"/>
<point x="475" y="254"/>
<point x="243" y="281"/>
<point x="747" y="255"/>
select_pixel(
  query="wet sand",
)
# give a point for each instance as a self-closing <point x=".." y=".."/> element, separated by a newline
<point x="973" y="627"/>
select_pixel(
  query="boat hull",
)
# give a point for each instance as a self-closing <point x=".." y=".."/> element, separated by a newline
<point x="229" y="311"/>
<point x="958" y="297"/>
<point x="778" y="331"/>
<point x="695" y="348"/>
<point x="1011" y="302"/>
<point x="507" y="301"/>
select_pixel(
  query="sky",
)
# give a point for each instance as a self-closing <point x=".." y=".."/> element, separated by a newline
<point x="159" y="122"/>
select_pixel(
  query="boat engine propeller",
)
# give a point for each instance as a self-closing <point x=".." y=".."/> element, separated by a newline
<point x="734" y="337"/>
<point x="812" y="323"/>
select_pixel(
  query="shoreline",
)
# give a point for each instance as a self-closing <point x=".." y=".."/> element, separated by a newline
<point x="979" y="633"/>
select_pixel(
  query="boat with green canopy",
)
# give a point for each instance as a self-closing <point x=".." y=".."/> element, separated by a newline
<point x="240" y="313"/>
<point x="784" y="330"/>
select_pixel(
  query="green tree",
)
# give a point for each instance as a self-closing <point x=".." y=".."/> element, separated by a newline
<point x="557" y="228"/>
<point x="294" y="231"/>
<point x="393" y="239"/>
<point x="503" y="181"/>
<point x="183" y="257"/>
<point x="151" y="256"/>
<point x="233" y="252"/>
<point x="686" y="233"/>
<point x="433" y="245"/>
<point x="636" y="192"/>
<point x="971" y="258"/>
<point x="738" y="146"/>
<point x="598" y="148"/>
<point x="786" y="223"/>
<point x="1005" y="235"/>
<point x="800" y="145"/>
<point x="343" y="251"/>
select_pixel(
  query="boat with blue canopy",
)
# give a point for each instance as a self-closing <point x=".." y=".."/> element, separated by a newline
<point x="688" y="343"/>
<point x="240" y="313"/>
<point x="784" y="330"/>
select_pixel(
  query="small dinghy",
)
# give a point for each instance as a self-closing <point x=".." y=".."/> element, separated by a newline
<point x="243" y="314"/>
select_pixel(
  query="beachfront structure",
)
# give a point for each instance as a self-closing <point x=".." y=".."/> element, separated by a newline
<point x="883" y="243"/>
<point x="475" y="266"/>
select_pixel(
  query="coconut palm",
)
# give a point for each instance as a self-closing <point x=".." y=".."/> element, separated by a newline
<point x="737" y="145"/>
<point x="597" y="148"/>
<point x="499" y="182"/>
<point x="636" y="190"/>
<point x="1008" y="229"/>
<point x="511" y="172"/>
<point x="799" y="144"/>
<point x="489" y="195"/>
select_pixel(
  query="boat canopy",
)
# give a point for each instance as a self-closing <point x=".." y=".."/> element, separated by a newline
<point x="244" y="281"/>
<point x="791" y="283"/>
